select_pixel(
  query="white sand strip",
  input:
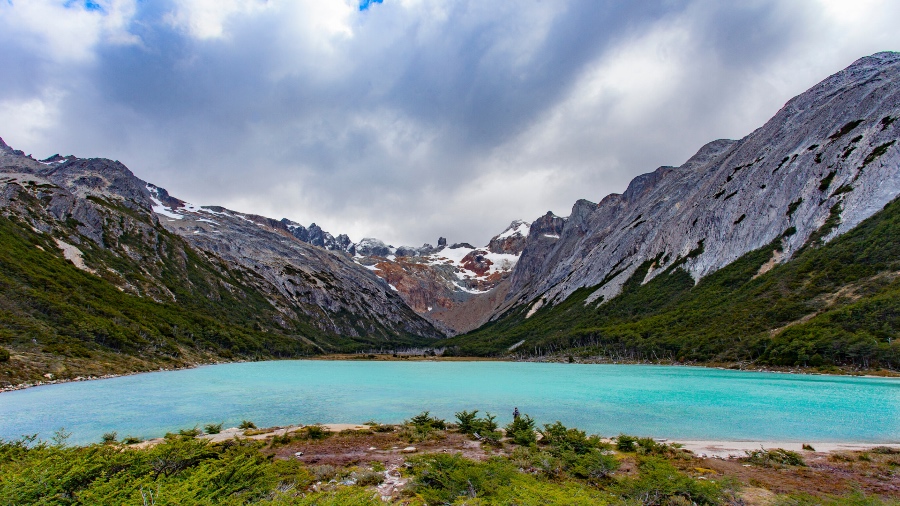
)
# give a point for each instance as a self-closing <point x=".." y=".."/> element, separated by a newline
<point x="725" y="449"/>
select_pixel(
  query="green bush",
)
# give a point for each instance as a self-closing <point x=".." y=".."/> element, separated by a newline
<point x="521" y="430"/>
<point x="592" y="465"/>
<point x="4" y="355"/>
<point x="109" y="437"/>
<point x="563" y="439"/>
<point x="315" y="432"/>
<point x="192" y="432"/>
<point x="423" y="420"/>
<point x="626" y="443"/>
<point x="213" y="428"/>
<point x="659" y="482"/>
<point x="247" y="424"/>
<point x="442" y="478"/>
<point x="774" y="457"/>
<point x="466" y="421"/>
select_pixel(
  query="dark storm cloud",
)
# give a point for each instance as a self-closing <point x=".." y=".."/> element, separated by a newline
<point x="409" y="119"/>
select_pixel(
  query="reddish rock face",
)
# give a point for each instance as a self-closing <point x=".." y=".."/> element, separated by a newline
<point x="513" y="244"/>
<point x="476" y="262"/>
<point x="422" y="287"/>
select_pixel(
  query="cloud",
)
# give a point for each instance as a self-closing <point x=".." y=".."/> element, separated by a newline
<point x="66" y="32"/>
<point x="418" y="118"/>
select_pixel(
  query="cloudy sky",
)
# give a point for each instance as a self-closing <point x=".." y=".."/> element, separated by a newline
<point x="410" y="119"/>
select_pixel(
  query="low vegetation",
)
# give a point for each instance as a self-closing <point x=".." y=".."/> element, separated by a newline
<point x="60" y="320"/>
<point x="452" y="465"/>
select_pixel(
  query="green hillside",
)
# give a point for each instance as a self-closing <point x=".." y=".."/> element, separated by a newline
<point x="59" y="319"/>
<point x="836" y="304"/>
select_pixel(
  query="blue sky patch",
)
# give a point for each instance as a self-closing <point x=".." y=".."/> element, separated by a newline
<point x="365" y="4"/>
<point x="89" y="5"/>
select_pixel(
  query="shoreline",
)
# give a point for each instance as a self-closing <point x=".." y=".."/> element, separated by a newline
<point x="364" y="357"/>
<point x="737" y="449"/>
<point x="715" y="449"/>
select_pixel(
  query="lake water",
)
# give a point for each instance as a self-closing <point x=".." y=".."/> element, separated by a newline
<point x="659" y="401"/>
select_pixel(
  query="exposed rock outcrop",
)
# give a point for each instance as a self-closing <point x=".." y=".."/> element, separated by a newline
<point x="826" y="161"/>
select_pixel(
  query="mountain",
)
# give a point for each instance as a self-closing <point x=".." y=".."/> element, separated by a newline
<point x="102" y="272"/>
<point x="827" y="161"/>
<point x="456" y="286"/>
<point x="778" y="248"/>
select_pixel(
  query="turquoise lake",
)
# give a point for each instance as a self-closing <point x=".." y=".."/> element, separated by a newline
<point x="659" y="401"/>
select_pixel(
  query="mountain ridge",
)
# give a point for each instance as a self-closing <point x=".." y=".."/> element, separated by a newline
<point x="825" y="163"/>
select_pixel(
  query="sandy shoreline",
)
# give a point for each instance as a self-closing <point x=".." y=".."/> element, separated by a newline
<point x="730" y="449"/>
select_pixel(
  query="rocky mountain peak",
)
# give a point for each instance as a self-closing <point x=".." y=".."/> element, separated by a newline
<point x="512" y="240"/>
<point x="826" y="161"/>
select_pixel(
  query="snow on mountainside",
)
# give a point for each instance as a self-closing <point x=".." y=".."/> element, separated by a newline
<point x="435" y="282"/>
<point x="446" y="283"/>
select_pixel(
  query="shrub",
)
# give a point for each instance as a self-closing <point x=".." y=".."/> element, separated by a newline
<point x="649" y="446"/>
<point x="109" y="437"/>
<point x="130" y="440"/>
<point x="247" y="424"/>
<point x="323" y="472"/>
<point x="422" y="420"/>
<point x="563" y="439"/>
<point x="487" y="424"/>
<point x="593" y="465"/>
<point x="194" y="432"/>
<point x="808" y="448"/>
<point x="521" y="430"/>
<point x="775" y="457"/>
<point x="4" y="355"/>
<point x="467" y="421"/>
<point x="626" y="443"/>
<point x="660" y="482"/>
<point x="369" y="478"/>
<point x="315" y="432"/>
<point x="442" y="479"/>
<point x="213" y="428"/>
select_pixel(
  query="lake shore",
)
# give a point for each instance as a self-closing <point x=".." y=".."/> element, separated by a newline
<point x="738" y="449"/>
<point x="718" y="449"/>
<point x="407" y="357"/>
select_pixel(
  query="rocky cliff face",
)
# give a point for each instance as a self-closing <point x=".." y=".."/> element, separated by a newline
<point x="453" y="286"/>
<point x="106" y="213"/>
<point x="825" y="162"/>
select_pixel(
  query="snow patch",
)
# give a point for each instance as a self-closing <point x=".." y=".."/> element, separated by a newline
<point x="159" y="208"/>
<point x="521" y="228"/>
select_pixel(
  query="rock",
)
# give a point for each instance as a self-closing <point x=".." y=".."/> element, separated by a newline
<point x="409" y="449"/>
<point x="828" y="148"/>
<point x="512" y="240"/>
